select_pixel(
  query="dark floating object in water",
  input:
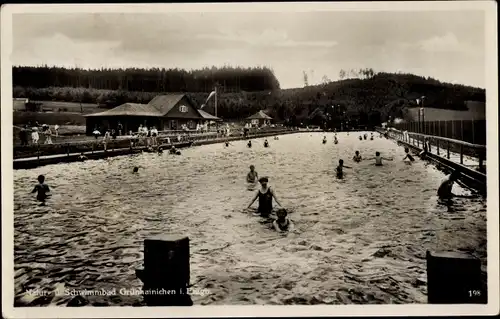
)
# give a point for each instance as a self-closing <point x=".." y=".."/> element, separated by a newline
<point x="136" y="169"/>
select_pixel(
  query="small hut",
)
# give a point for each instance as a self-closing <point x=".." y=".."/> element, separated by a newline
<point x="259" y="119"/>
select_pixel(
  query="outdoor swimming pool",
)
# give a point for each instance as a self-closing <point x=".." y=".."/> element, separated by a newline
<point x="359" y="240"/>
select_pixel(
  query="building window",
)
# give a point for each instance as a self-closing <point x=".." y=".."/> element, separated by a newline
<point x="183" y="108"/>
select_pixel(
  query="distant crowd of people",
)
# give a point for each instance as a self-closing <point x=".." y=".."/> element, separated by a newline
<point x="30" y="134"/>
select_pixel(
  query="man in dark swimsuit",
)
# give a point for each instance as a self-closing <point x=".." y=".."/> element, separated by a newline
<point x="265" y="196"/>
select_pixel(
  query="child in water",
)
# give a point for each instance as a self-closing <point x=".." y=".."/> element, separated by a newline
<point x="266" y="143"/>
<point x="408" y="155"/>
<point x="339" y="171"/>
<point x="357" y="157"/>
<point x="335" y="140"/>
<point x="378" y="159"/>
<point x="252" y="175"/>
<point x="82" y="157"/>
<point x="282" y="224"/>
<point x="324" y="139"/>
<point x="249" y="144"/>
<point x="41" y="189"/>
<point x="265" y="195"/>
<point x="360" y="138"/>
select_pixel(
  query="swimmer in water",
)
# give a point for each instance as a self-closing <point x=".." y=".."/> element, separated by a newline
<point x="357" y="157"/>
<point x="173" y="150"/>
<point x="266" y="143"/>
<point x="339" y="169"/>
<point x="252" y="176"/>
<point x="371" y="137"/>
<point x="335" y="140"/>
<point x="249" y="144"/>
<point x="360" y="138"/>
<point x="41" y="189"/>
<point x="136" y="169"/>
<point x="324" y="140"/>
<point x="282" y="224"/>
<point x="160" y="150"/>
<point x="265" y="195"/>
<point x="365" y="136"/>
<point x="445" y="189"/>
<point x="378" y="159"/>
<point x="82" y="157"/>
<point x="408" y="155"/>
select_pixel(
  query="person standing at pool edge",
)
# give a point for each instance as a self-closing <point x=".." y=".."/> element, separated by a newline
<point x="265" y="195"/>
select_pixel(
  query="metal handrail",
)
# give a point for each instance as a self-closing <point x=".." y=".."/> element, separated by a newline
<point x="445" y="139"/>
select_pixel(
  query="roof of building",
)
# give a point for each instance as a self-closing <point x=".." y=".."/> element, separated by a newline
<point x="260" y="115"/>
<point x="158" y="106"/>
<point x="164" y="103"/>
<point x="130" y="109"/>
<point x="209" y="116"/>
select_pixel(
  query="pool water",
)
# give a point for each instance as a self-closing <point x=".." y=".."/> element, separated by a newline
<point x="358" y="240"/>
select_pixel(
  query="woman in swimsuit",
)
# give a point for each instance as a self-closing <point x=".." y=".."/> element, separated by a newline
<point x="265" y="195"/>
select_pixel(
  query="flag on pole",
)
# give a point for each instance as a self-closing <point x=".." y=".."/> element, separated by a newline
<point x="208" y="98"/>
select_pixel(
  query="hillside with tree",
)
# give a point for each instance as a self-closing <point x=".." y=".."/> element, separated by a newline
<point x="361" y="97"/>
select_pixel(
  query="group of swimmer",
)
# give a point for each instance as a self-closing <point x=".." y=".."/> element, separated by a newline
<point x="265" y="195"/>
<point x="249" y="144"/>
<point x="365" y="136"/>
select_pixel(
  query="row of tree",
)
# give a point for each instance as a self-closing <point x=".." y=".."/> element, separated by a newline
<point x="231" y="79"/>
<point x="367" y="100"/>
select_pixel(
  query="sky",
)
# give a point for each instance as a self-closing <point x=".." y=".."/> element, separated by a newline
<point x="447" y="45"/>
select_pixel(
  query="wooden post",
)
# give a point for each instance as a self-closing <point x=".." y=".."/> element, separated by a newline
<point x="473" y="140"/>
<point x="166" y="271"/>
<point x="462" y="130"/>
<point x="481" y="161"/>
<point x="454" y="278"/>
<point x="437" y="147"/>
<point x="461" y="154"/>
<point x="448" y="150"/>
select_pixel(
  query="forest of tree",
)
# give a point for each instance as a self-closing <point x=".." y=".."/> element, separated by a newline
<point x="232" y="79"/>
<point x="363" y="97"/>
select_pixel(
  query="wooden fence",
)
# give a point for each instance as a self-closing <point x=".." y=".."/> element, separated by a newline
<point x="472" y="131"/>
